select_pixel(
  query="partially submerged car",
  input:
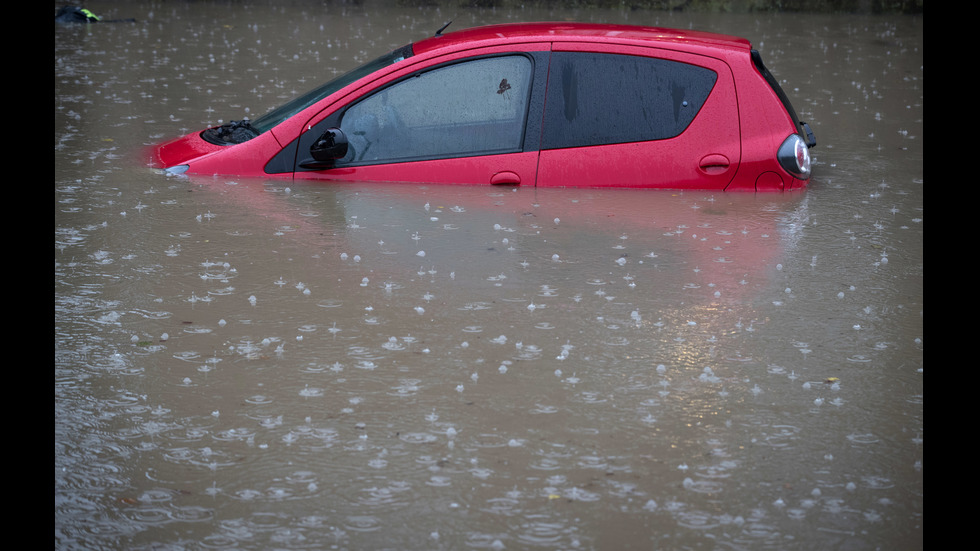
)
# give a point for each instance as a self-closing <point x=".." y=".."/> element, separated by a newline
<point x="538" y="104"/>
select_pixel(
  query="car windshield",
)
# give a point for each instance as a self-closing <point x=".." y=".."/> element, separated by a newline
<point x="283" y="112"/>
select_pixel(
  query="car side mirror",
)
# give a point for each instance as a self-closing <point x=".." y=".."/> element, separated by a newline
<point x="330" y="146"/>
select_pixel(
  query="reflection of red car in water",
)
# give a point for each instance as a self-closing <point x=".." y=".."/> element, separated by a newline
<point x="704" y="250"/>
<point x="534" y="105"/>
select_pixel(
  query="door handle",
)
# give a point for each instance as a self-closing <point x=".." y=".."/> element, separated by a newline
<point x="714" y="164"/>
<point x="505" y="178"/>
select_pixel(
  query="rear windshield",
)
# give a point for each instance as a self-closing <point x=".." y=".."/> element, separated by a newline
<point x="283" y="112"/>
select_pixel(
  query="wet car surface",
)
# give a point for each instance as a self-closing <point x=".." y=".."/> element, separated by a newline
<point x="537" y="104"/>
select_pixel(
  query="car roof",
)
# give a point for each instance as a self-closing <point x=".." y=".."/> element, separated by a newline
<point x="581" y="32"/>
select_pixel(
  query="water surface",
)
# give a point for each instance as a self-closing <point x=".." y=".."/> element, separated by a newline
<point x="256" y="364"/>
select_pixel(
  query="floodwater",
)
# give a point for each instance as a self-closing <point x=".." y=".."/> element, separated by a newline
<point x="247" y="364"/>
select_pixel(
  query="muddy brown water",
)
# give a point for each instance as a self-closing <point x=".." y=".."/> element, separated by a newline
<point x="246" y="364"/>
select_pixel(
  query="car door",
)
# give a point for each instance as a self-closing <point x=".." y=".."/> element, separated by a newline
<point x="459" y="121"/>
<point x="638" y="117"/>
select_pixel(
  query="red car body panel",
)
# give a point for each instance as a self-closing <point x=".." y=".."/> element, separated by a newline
<point x="731" y="143"/>
<point x="512" y="168"/>
<point x="705" y="156"/>
<point x="757" y="119"/>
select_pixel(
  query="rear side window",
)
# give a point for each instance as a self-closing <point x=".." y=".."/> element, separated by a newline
<point x="596" y="99"/>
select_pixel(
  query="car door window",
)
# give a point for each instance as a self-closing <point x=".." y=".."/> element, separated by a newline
<point x="597" y="98"/>
<point x="475" y="107"/>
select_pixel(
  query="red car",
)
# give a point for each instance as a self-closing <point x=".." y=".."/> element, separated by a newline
<point x="539" y="104"/>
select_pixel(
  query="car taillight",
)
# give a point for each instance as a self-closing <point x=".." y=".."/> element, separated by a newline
<point x="794" y="156"/>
